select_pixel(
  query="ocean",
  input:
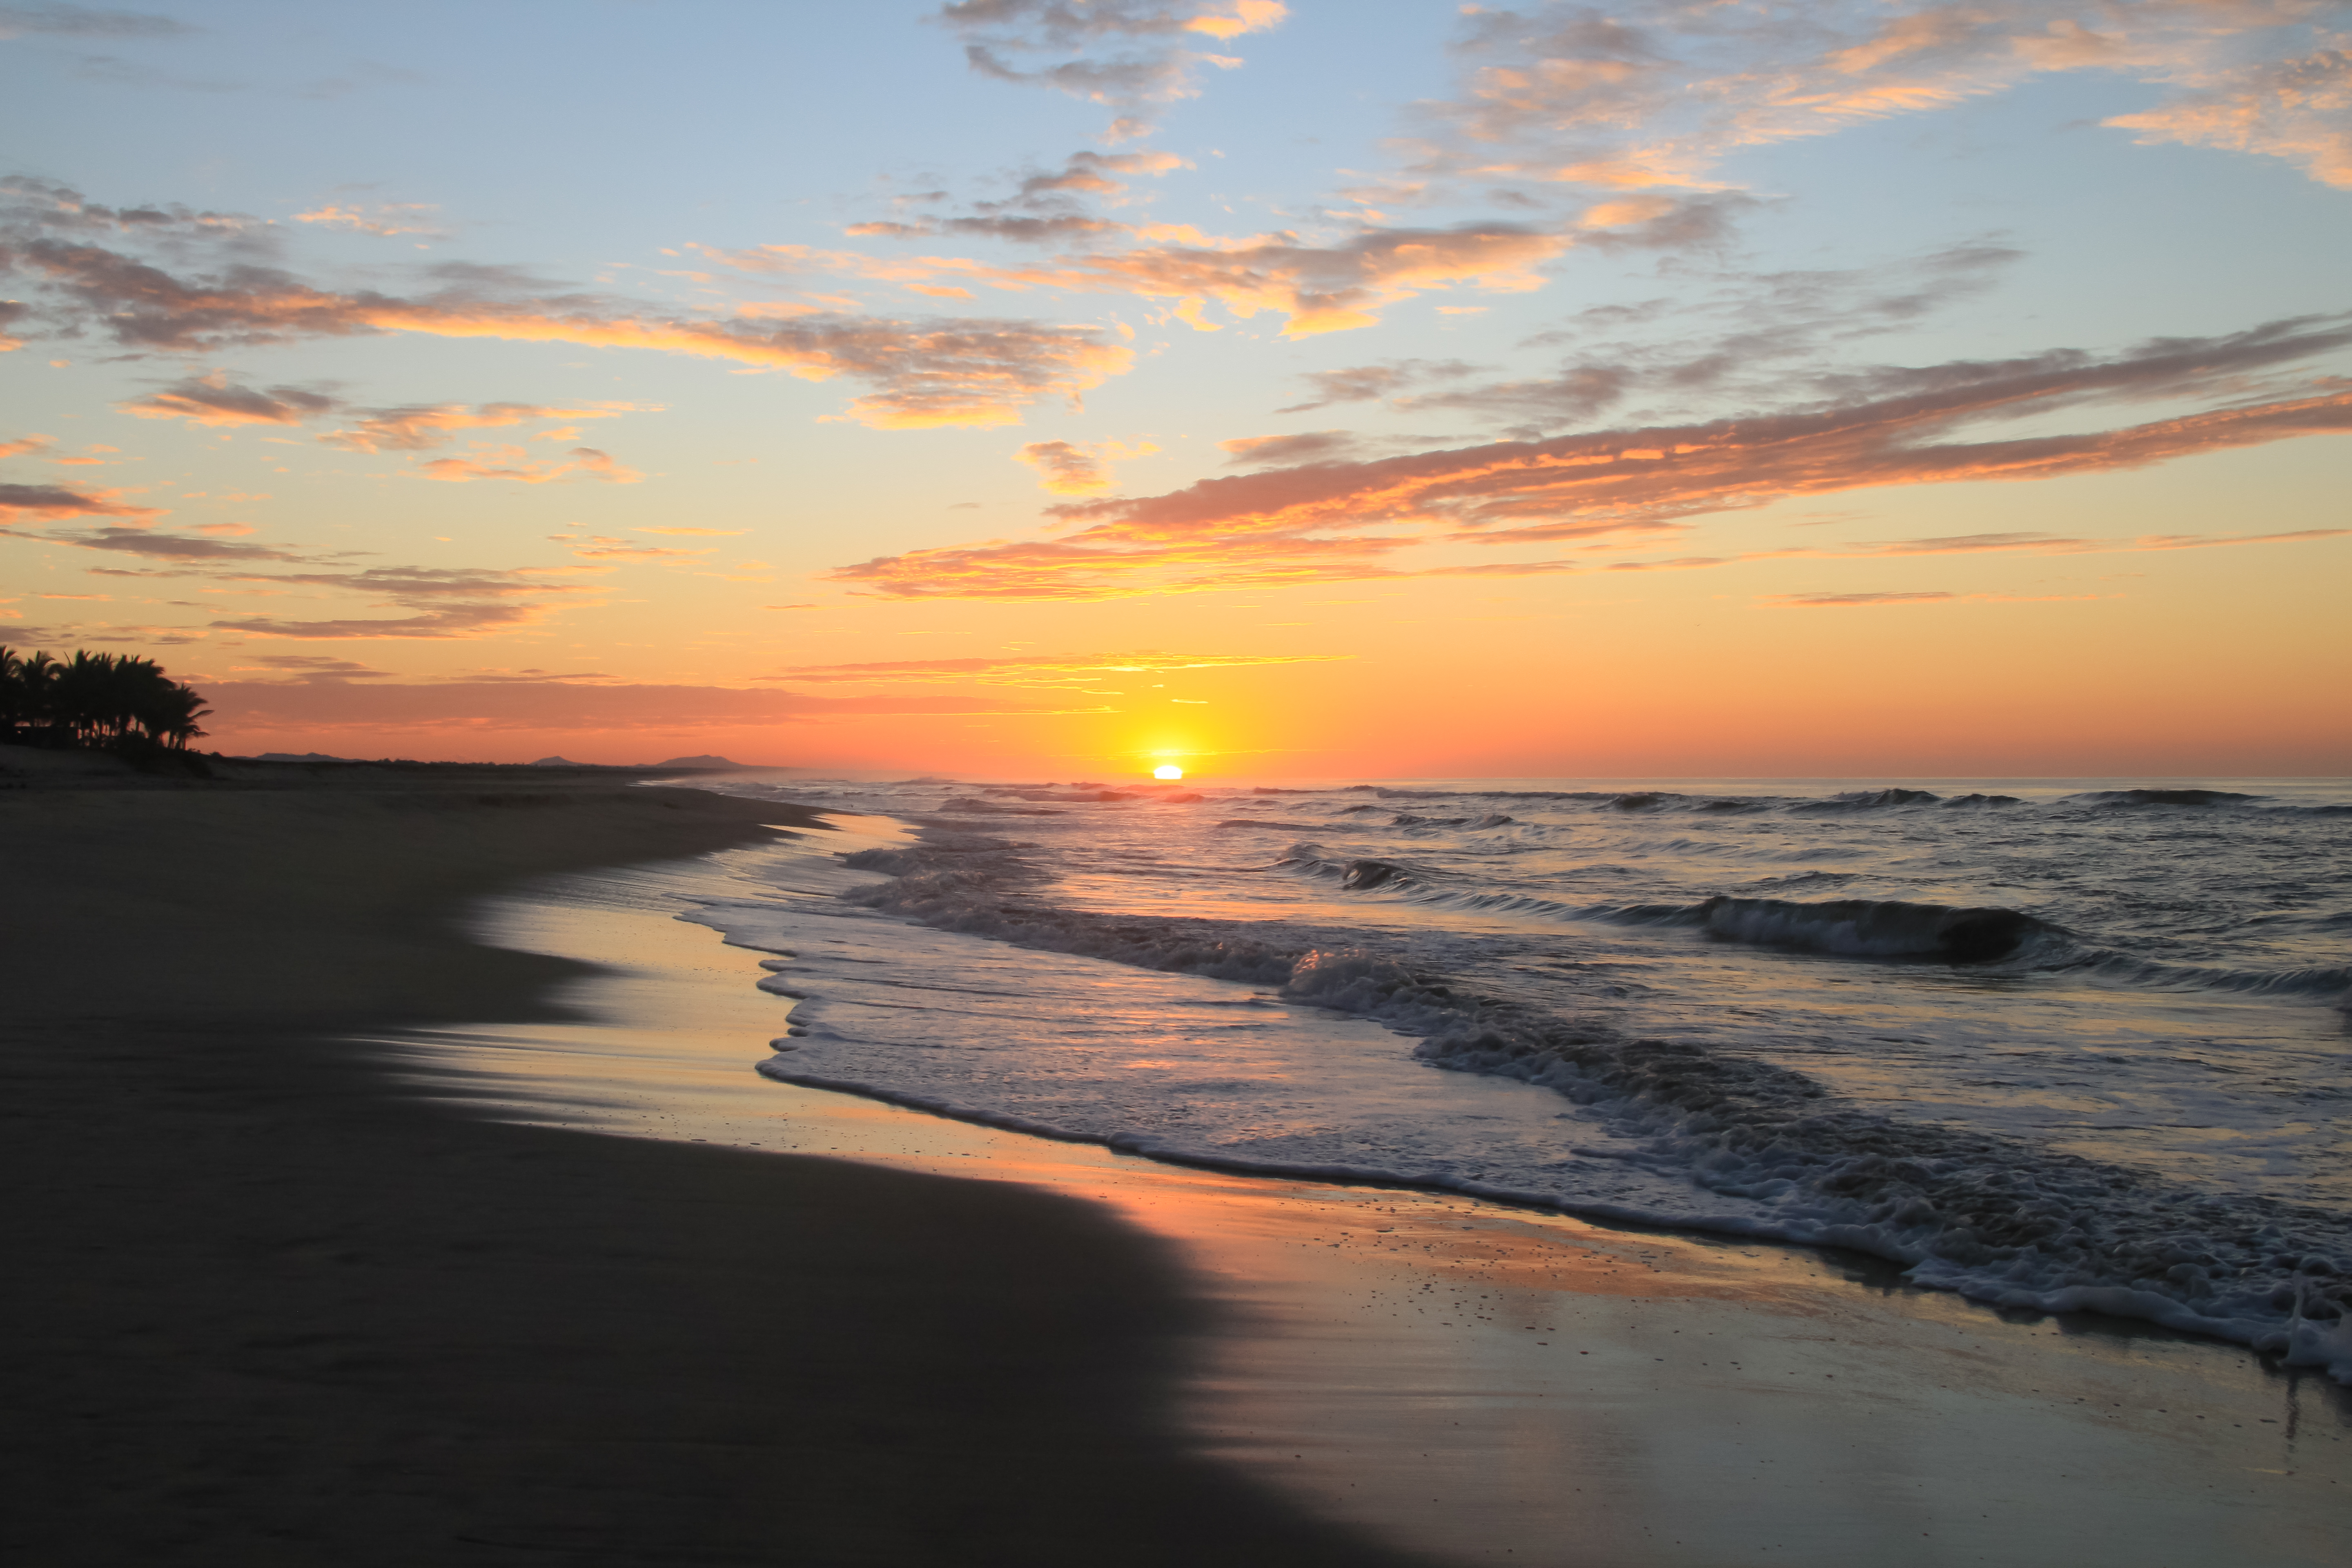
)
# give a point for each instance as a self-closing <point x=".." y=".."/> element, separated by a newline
<point x="2053" y="1045"/>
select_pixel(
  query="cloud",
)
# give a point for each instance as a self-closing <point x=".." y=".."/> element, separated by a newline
<point x="1657" y="93"/>
<point x="80" y="22"/>
<point x="26" y="445"/>
<point x="170" y="546"/>
<point x="938" y="372"/>
<point x="420" y="426"/>
<point x="1122" y="53"/>
<point x="1366" y="382"/>
<point x="1040" y="670"/>
<point x="1315" y="288"/>
<point x="1824" y="601"/>
<point x="587" y="463"/>
<point x="1067" y="469"/>
<point x="1046" y="208"/>
<point x="1754" y="325"/>
<point x="329" y="707"/>
<point x="621" y="550"/>
<point x="1330" y="521"/>
<point x="19" y="502"/>
<point x="2298" y="110"/>
<point x="1307" y="446"/>
<point x="210" y="399"/>
<point x="213" y="399"/>
<point x="405" y="217"/>
<point x="464" y="602"/>
<point x="314" y="669"/>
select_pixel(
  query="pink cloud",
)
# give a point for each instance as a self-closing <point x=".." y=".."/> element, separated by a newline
<point x="1328" y="522"/>
<point x="19" y="503"/>
<point x="587" y="463"/>
<point x="922" y="374"/>
<point x="210" y="399"/>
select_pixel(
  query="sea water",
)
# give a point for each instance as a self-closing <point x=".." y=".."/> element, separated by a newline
<point x="2055" y="1047"/>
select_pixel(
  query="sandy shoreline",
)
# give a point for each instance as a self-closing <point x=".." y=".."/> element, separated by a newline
<point x="1482" y="1383"/>
<point x="268" y="1312"/>
<point x="287" y="1312"/>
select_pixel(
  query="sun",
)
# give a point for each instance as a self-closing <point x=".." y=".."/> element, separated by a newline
<point x="1168" y="771"/>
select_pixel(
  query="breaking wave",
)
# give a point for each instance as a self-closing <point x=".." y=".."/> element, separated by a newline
<point x="1766" y="1151"/>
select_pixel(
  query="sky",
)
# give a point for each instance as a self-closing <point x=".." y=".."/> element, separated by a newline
<point x="1057" y="388"/>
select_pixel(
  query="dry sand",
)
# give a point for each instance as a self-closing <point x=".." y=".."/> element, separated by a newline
<point x="263" y="1311"/>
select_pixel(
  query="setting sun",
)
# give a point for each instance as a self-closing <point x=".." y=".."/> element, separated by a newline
<point x="1168" y="771"/>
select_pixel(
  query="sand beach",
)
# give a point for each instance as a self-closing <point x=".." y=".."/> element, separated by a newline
<point x="267" y="1311"/>
<point x="397" y="1189"/>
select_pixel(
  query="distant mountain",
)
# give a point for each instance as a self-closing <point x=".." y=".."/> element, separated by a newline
<point x="704" y="762"/>
<point x="302" y="757"/>
<point x="560" y="763"/>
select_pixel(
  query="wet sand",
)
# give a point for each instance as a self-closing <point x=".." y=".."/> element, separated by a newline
<point x="267" y="1308"/>
<point x="1477" y="1383"/>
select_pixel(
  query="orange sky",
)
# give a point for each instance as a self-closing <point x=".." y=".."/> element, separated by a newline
<point x="1382" y="390"/>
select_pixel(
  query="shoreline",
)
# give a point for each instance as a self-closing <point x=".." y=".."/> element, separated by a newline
<point x="2092" y="1435"/>
<point x="282" y="1313"/>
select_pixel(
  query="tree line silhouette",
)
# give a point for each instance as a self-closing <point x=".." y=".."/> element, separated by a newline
<point x="105" y="699"/>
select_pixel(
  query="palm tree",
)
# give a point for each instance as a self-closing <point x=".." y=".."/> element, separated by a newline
<point x="31" y="690"/>
<point x="97" y="699"/>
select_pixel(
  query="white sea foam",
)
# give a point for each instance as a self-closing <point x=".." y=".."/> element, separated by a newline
<point x="1953" y="1098"/>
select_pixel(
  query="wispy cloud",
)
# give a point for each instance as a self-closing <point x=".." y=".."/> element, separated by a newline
<point x="1064" y="468"/>
<point x="421" y="426"/>
<point x="1120" y="53"/>
<point x="1314" y="287"/>
<point x="570" y="705"/>
<point x="1306" y="447"/>
<point x="1854" y="601"/>
<point x="1656" y="94"/>
<point x="508" y="463"/>
<point x="212" y="399"/>
<point x="172" y="546"/>
<point x="2299" y="109"/>
<point x="1896" y="426"/>
<point x="445" y="603"/>
<point x="921" y="373"/>
<point x="84" y="22"/>
<point x="19" y="503"/>
<point x="1039" y="670"/>
<point x="385" y="219"/>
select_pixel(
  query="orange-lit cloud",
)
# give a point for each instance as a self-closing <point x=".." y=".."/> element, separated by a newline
<point x="443" y="601"/>
<point x="508" y="464"/>
<point x="210" y="399"/>
<point x="1829" y="600"/>
<point x="1043" y="670"/>
<point x="394" y="218"/>
<point x="1067" y="469"/>
<point x="1116" y="52"/>
<point x="1657" y="95"/>
<point x="1045" y="208"/>
<point x="2298" y="110"/>
<point x="1306" y="447"/>
<point x="923" y="374"/>
<point x="420" y="426"/>
<point x="561" y="704"/>
<point x="19" y="503"/>
<point x="1314" y="287"/>
<point x="1328" y="522"/>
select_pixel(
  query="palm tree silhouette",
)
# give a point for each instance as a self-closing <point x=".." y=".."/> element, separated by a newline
<point x="107" y="700"/>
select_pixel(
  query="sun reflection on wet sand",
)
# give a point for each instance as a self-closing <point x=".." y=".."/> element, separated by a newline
<point x="1476" y="1381"/>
